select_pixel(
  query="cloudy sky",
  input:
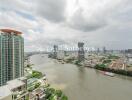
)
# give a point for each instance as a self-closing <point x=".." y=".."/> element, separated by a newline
<point x="97" y="23"/>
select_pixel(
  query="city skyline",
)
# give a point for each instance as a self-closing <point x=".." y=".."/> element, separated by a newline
<point x="45" y="23"/>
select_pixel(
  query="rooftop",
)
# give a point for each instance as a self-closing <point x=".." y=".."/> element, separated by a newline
<point x="39" y="90"/>
<point x="14" y="83"/>
<point x="4" y="91"/>
<point x="7" y="89"/>
<point x="10" y="31"/>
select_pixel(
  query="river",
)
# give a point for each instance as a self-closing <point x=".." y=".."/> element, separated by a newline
<point x="80" y="83"/>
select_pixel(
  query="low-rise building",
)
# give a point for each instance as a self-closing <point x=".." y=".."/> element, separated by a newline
<point x="37" y="94"/>
<point x="32" y="96"/>
<point x="118" y="64"/>
<point x="14" y="90"/>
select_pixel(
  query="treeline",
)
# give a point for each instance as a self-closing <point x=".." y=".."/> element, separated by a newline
<point x="122" y="72"/>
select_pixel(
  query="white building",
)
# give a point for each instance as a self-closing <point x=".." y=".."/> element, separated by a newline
<point x="14" y="90"/>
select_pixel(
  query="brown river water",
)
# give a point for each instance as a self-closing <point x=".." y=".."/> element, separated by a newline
<point x="80" y="83"/>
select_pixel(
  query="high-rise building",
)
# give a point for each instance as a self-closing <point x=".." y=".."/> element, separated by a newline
<point x="11" y="55"/>
<point x="104" y="50"/>
<point x="65" y="53"/>
<point x="81" y="54"/>
<point x="98" y="50"/>
<point x="55" y="51"/>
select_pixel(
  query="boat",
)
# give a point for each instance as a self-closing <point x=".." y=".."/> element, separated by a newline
<point x="108" y="73"/>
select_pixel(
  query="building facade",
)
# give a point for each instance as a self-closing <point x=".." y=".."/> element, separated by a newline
<point x="11" y="55"/>
<point x="81" y="53"/>
<point x="55" y="51"/>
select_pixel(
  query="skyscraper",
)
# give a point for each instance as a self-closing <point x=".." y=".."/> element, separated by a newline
<point x="55" y="51"/>
<point x="11" y="55"/>
<point x="104" y="50"/>
<point x="81" y="55"/>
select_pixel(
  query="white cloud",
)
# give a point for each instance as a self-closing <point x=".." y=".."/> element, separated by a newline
<point x="52" y="10"/>
<point x="48" y="22"/>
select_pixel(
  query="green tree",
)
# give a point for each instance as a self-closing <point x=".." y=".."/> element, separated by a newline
<point x="64" y="98"/>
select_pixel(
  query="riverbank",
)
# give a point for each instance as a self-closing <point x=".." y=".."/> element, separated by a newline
<point x="37" y="81"/>
<point x="97" y="67"/>
<point x="121" y="72"/>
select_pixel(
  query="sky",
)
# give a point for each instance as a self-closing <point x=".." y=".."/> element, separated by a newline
<point x="44" y="23"/>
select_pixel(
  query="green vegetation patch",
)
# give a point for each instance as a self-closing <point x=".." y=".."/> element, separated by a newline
<point x="52" y="94"/>
<point x="36" y="74"/>
<point x="70" y="60"/>
<point x="37" y="85"/>
<point x="107" y="61"/>
<point x="100" y="66"/>
<point x="78" y="63"/>
<point x="113" y="57"/>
